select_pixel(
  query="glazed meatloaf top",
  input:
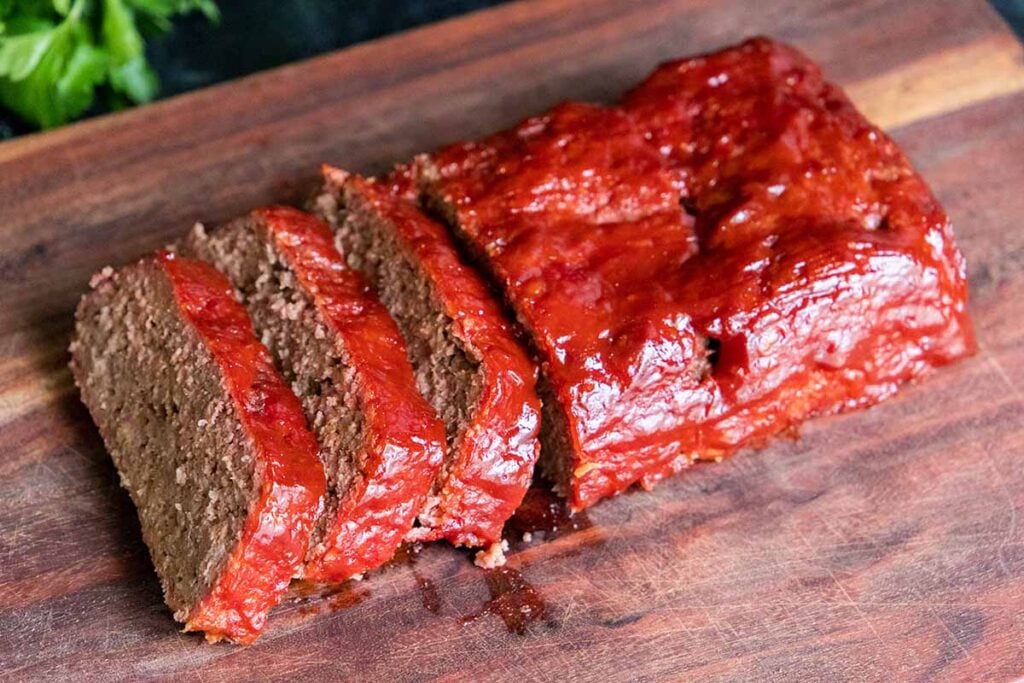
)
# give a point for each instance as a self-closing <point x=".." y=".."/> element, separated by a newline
<point x="730" y="251"/>
<point x="493" y="432"/>
<point x="208" y="439"/>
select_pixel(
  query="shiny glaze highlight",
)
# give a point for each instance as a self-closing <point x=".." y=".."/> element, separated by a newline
<point x="731" y="250"/>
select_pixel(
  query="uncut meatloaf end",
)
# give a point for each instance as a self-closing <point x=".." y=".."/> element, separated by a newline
<point x="730" y="251"/>
<point x="209" y="441"/>
<point x="467" y="360"/>
<point x="381" y="444"/>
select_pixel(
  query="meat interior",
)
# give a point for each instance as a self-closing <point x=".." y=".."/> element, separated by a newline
<point x="446" y="369"/>
<point x="556" y="461"/>
<point x="305" y="350"/>
<point x="164" y="413"/>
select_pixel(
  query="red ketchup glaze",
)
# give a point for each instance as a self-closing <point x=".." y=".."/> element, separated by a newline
<point x="818" y="275"/>
<point x="276" y="534"/>
<point x="492" y="464"/>
<point x="404" y="440"/>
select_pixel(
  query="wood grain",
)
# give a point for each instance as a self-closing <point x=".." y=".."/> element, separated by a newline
<point x="882" y="545"/>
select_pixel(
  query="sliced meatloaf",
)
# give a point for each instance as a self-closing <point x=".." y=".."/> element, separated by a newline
<point x="381" y="443"/>
<point x="732" y="250"/>
<point x="467" y="361"/>
<point x="208" y="439"/>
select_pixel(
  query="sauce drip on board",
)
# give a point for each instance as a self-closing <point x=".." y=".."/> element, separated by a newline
<point x="428" y="593"/>
<point x="543" y="513"/>
<point x="408" y="555"/>
<point x="317" y="599"/>
<point x="513" y="599"/>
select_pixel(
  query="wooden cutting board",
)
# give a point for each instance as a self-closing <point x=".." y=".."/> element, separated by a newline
<point x="886" y="544"/>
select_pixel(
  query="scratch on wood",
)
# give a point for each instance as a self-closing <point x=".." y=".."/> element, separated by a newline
<point x="991" y="361"/>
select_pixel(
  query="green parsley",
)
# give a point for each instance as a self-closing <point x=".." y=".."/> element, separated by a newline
<point x="55" y="54"/>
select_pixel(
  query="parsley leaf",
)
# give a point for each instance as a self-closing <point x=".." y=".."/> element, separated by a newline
<point x="56" y="54"/>
<point x="130" y="74"/>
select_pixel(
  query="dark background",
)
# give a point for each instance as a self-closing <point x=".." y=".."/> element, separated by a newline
<point x="253" y="35"/>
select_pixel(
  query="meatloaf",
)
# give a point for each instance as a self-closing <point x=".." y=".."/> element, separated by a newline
<point x="731" y="250"/>
<point x="381" y="443"/>
<point x="209" y="441"/>
<point x="467" y="361"/>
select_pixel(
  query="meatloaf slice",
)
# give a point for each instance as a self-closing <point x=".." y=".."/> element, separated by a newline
<point x="380" y="442"/>
<point x="467" y="361"/>
<point x="732" y="250"/>
<point x="208" y="439"/>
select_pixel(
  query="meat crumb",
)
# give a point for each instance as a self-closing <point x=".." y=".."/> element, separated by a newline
<point x="493" y="557"/>
<point x="105" y="274"/>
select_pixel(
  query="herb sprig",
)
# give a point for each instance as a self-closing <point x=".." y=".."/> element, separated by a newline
<point x="56" y="54"/>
